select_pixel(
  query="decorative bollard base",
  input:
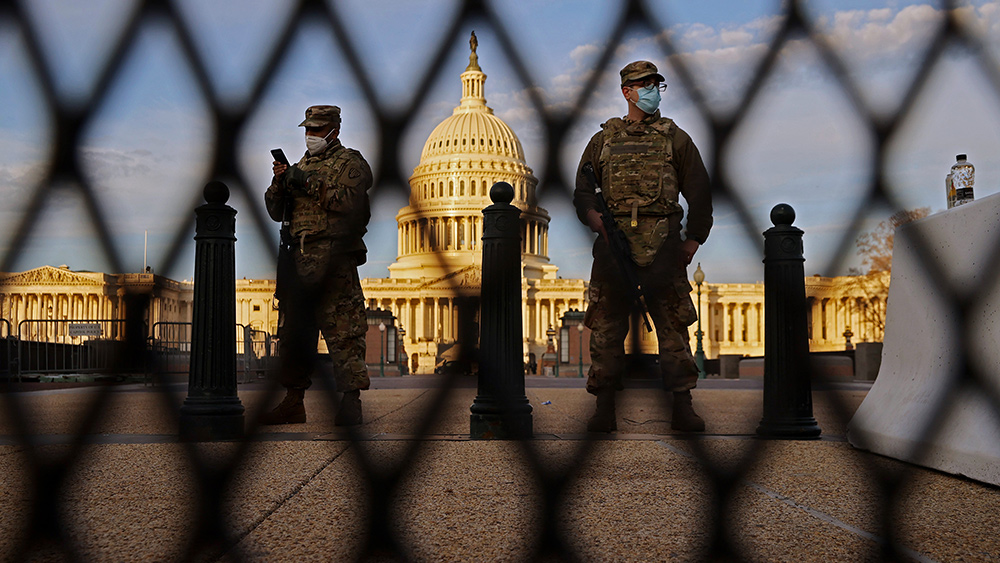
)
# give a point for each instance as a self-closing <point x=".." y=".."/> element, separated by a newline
<point x="489" y="422"/>
<point x="211" y="420"/>
<point x="799" y="428"/>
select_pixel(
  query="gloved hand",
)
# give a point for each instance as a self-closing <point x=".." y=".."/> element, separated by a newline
<point x="297" y="180"/>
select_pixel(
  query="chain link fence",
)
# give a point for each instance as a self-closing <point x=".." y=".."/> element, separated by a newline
<point x="46" y="474"/>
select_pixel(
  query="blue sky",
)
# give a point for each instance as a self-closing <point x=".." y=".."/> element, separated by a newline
<point x="145" y="149"/>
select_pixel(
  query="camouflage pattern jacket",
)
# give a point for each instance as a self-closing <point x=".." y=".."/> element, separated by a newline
<point x="329" y="197"/>
<point x="643" y="167"/>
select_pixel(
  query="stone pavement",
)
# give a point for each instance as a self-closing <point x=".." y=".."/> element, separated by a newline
<point x="641" y="494"/>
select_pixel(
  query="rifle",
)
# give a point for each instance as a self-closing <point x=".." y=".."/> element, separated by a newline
<point x="286" y="263"/>
<point x="619" y="247"/>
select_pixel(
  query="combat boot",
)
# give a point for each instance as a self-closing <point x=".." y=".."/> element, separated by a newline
<point x="604" y="417"/>
<point x="291" y="410"/>
<point x="684" y="418"/>
<point x="349" y="413"/>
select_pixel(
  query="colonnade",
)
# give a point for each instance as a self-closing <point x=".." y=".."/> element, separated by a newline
<point x="257" y="313"/>
<point x="435" y="318"/>
<point x="535" y="238"/>
<point x="830" y="317"/>
<point x="732" y="318"/>
<point x="17" y="307"/>
<point x="436" y="234"/>
<point x="541" y="313"/>
<point x="740" y="323"/>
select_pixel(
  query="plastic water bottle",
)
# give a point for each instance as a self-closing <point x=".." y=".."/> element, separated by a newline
<point x="963" y="176"/>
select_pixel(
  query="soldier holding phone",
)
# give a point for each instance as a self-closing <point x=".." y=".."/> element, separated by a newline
<point x="324" y="200"/>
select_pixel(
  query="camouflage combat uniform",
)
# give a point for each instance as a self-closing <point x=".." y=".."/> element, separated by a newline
<point x="330" y="213"/>
<point x="642" y="168"/>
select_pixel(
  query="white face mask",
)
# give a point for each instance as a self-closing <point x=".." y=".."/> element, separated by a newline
<point x="315" y="145"/>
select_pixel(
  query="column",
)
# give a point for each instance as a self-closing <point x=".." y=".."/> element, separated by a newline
<point x="524" y="316"/>
<point x="450" y="325"/>
<point x="421" y="314"/>
<point x="436" y="319"/>
<point x="756" y="323"/>
<point x="536" y="330"/>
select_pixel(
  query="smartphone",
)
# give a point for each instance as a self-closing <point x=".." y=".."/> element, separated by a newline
<point x="279" y="156"/>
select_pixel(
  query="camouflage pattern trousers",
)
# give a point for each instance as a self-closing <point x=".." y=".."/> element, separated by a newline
<point x="668" y="297"/>
<point x="323" y="295"/>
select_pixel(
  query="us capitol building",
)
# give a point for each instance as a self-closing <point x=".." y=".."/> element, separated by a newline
<point x="440" y="231"/>
<point x="439" y="263"/>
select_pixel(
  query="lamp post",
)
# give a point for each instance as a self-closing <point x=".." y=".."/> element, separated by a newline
<point x="381" y="350"/>
<point x="579" y="328"/>
<point x="551" y="333"/>
<point x="699" y="355"/>
<point x="401" y="357"/>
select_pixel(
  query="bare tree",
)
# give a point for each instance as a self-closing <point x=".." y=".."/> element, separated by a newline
<point x="871" y="281"/>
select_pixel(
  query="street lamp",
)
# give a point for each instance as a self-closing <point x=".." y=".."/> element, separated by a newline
<point x="551" y="333"/>
<point x="381" y="352"/>
<point x="699" y="355"/>
<point x="579" y="328"/>
<point x="401" y="357"/>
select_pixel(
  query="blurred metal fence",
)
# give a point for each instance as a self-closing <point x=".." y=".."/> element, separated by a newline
<point x="8" y="351"/>
<point x="70" y="117"/>
<point x="68" y="346"/>
<point x="170" y="351"/>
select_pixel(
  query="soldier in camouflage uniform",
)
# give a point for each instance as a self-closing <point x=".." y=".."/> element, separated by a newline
<point x="643" y="163"/>
<point x="327" y="191"/>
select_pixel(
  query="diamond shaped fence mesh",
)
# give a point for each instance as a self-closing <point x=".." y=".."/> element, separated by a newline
<point x="215" y="474"/>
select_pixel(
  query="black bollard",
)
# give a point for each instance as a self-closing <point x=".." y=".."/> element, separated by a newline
<point x="212" y="410"/>
<point x="788" y="411"/>
<point x="501" y="410"/>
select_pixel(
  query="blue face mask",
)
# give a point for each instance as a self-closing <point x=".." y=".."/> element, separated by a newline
<point x="649" y="98"/>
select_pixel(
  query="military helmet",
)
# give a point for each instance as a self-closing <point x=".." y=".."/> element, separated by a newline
<point x="321" y="116"/>
<point x="639" y="70"/>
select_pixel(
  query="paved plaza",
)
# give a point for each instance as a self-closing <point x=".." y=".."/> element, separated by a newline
<point x="642" y="494"/>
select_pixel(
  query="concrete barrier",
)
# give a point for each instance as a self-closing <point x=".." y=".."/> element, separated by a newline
<point x="823" y="367"/>
<point x="923" y="348"/>
<point x="867" y="360"/>
<point x="729" y="365"/>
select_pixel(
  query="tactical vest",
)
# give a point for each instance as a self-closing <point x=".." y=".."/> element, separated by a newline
<point x="639" y="182"/>
<point x="311" y="218"/>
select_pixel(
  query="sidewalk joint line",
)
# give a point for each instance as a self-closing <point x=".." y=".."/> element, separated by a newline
<point x="829" y="519"/>
<point x="281" y="502"/>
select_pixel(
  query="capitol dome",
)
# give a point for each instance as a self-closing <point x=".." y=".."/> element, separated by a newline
<point x="439" y="265"/>
<point x="469" y="151"/>
<point x="473" y="129"/>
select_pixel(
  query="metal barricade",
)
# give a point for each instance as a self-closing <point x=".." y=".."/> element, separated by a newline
<point x="254" y="354"/>
<point x="170" y="351"/>
<point x="8" y="352"/>
<point x="69" y="346"/>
